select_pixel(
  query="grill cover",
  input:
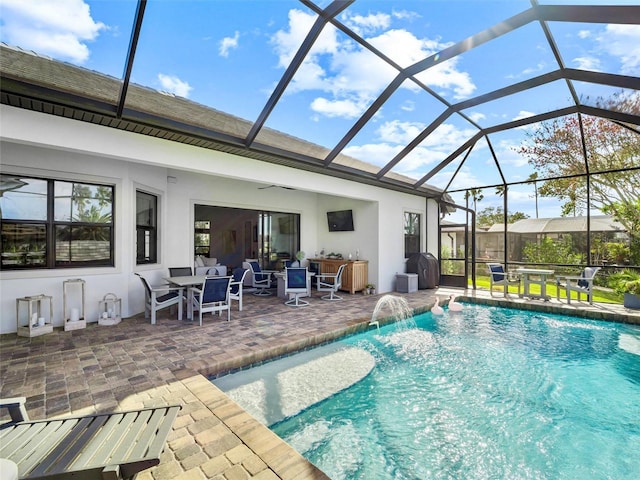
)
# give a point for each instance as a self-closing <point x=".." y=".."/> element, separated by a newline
<point x="427" y="268"/>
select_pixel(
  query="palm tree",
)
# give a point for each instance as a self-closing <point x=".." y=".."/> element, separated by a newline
<point x="476" y="195"/>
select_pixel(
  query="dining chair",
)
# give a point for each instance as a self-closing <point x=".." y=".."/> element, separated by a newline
<point x="236" y="285"/>
<point x="212" y="296"/>
<point x="498" y="276"/>
<point x="180" y="271"/>
<point x="295" y="284"/>
<point x="261" y="279"/>
<point x="579" y="284"/>
<point x="330" y="282"/>
<point x="159" y="297"/>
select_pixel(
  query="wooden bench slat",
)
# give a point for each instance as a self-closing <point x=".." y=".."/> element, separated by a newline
<point x="131" y="439"/>
<point x="117" y="445"/>
<point x="15" y="437"/>
<point x="51" y="463"/>
<point x="147" y="445"/>
<point x="84" y="438"/>
<point x="36" y="443"/>
<point x="88" y="456"/>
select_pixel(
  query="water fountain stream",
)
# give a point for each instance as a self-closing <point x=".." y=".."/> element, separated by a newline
<point x="399" y="310"/>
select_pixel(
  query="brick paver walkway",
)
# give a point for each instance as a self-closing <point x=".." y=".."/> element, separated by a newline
<point x="135" y="364"/>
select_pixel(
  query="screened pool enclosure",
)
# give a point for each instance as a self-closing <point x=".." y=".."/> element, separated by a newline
<point x="522" y="118"/>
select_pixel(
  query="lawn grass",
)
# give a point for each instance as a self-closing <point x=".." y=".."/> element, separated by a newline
<point x="600" y="295"/>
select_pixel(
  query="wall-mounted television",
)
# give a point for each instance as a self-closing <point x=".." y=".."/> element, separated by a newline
<point x="341" y="221"/>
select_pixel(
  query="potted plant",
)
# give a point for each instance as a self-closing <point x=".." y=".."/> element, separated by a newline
<point x="300" y="257"/>
<point x="628" y="283"/>
<point x="369" y="288"/>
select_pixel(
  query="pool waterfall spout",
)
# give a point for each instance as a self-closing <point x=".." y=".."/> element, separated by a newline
<point x="398" y="308"/>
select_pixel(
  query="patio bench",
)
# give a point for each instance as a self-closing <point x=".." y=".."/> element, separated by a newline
<point x="102" y="446"/>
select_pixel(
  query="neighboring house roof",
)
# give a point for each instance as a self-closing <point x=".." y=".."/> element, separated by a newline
<point x="599" y="223"/>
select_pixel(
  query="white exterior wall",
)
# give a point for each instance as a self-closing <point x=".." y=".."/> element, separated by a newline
<point x="42" y="145"/>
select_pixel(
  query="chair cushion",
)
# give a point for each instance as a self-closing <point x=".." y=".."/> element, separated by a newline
<point x="296" y="278"/>
<point x="237" y="276"/>
<point x="210" y="262"/>
<point x="258" y="277"/>
<point x="497" y="272"/>
<point x="586" y="273"/>
<point x="199" y="261"/>
<point x="215" y="290"/>
<point x="166" y="297"/>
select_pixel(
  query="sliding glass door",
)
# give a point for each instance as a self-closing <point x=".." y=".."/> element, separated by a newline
<point x="236" y="234"/>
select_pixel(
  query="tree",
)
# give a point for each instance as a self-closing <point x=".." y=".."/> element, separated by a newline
<point x="555" y="149"/>
<point x="476" y="195"/>
<point x="492" y="215"/>
<point x="546" y="250"/>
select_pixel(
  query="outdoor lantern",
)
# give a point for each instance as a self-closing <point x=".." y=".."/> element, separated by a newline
<point x="33" y="319"/>
<point x="73" y="304"/>
<point x="109" y="310"/>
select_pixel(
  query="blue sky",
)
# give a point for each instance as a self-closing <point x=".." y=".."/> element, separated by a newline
<point x="229" y="55"/>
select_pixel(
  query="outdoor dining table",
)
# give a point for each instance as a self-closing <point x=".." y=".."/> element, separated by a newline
<point x="187" y="281"/>
<point x="540" y="278"/>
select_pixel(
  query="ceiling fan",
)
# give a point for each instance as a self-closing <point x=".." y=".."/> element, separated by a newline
<point x="276" y="186"/>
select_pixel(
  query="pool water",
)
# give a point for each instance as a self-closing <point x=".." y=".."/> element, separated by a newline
<point x="486" y="393"/>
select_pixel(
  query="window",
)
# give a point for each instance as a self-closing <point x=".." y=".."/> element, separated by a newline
<point x="55" y="224"/>
<point x="146" y="228"/>
<point x="411" y="234"/>
<point x="202" y="237"/>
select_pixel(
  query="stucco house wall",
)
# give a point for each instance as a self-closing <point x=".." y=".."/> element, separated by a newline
<point x="33" y="144"/>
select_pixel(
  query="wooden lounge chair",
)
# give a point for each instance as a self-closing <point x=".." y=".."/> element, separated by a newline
<point x="102" y="446"/>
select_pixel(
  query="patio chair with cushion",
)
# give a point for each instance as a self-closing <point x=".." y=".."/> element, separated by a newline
<point x="180" y="272"/>
<point x="159" y="297"/>
<point x="579" y="284"/>
<point x="295" y="285"/>
<point x="102" y="446"/>
<point x="236" y="285"/>
<point x="261" y="279"/>
<point x="498" y="276"/>
<point x="212" y="296"/>
<point x="330" y="282"/>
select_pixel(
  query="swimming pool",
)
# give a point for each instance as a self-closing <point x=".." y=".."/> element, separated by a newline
<point x="484" y="393"/>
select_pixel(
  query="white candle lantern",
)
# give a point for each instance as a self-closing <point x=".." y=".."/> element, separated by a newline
<point x="73" y="304"/>
<point x="34" y="315"/>
<point x="109" y="310"/>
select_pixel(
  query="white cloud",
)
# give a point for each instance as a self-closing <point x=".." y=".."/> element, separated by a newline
<point x="227" y="43"/>
<point x="60" y="29"/>
<point x="394" y="135"/>
<point x="173" y="84"/>
<point x="374" y="153"/>
<point x="408" y="106"/>
<point x="523" y="114"/>
<point x="399" y="132"/>
<point x="623" y="42"/>
<point x="587" y="63"/>
<point x="349" y="77"/>
<point x="477" y="116"/>
<point x="405" y="15"/>
<point x="288" y="42"/>
<point x="338" y="108"/>
<point x="584" y="34"/>
<point x="366" y="25"/>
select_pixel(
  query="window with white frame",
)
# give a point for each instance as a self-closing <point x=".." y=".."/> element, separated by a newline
<point x="47" y="223"/>
<point x="146" y="228"/>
